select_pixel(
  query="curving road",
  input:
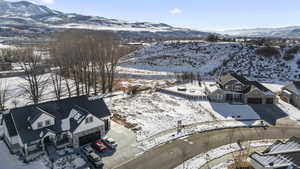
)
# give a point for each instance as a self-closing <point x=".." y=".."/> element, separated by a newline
<point x="170" y="155"/>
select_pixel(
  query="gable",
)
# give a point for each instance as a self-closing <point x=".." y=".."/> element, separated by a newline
<point x="43" y="118"/>
<point x="233" y="82"/>
<point x="87" y="126"/>
<point x="255" y="92"/>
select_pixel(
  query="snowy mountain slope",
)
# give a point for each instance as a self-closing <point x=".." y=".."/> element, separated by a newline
<point x="283" y="32"/>
<point x="264" y="68"/>
<point x="181" y="56"/>
<point x="26" y="17"/>
<point x="214" y="58"/>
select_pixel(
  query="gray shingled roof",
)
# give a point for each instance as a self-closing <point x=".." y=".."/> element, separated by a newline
<point x="60" y="110"/>
<point x="280" y="154"/>
<point x="10" y="125"/>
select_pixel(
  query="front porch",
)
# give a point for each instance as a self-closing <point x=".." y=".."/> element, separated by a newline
<point x="234" y="97"/>
<point x="48" y="144"/>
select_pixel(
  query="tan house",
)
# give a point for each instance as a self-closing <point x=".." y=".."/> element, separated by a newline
<point x="236" y="88"/>
<point x="291" y="93"/>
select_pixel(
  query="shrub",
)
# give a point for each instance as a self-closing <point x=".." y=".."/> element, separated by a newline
<point x="288" y="57"/>
<point x="293" y="50"/>
<point x="267" y="51"/>
<point x="212" y="38"/>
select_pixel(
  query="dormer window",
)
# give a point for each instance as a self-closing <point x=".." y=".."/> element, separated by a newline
<point x="40" y="124"/>
<point x="89" y="120"/>
<point x="48" y="122"/>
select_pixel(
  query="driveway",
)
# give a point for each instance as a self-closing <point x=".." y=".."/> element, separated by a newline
<point x="126" y="149"/>
<point x="170" y="155"/>
<point x="272" y="114"/>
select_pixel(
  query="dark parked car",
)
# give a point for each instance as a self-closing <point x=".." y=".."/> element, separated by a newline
<point x="87" y="149"/>
<point x="95" y="159"/>
<point x="110" y="143"/>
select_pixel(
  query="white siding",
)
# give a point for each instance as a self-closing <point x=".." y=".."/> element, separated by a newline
<point x="43" y="118"/>
<point x="87" y="126"/>
<point x="12" y="140"/>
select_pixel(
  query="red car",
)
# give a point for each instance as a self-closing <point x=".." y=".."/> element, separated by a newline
<point x="100" y="146"/>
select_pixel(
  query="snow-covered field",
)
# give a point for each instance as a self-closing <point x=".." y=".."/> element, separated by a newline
<point x="154" y="112"/>
<point x="16" y="95"/>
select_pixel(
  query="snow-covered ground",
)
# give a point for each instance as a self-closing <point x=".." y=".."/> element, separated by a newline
<point x="154" y="112"/>
<point x="292" y="111"/>
<point x="164" y="137"/>
<point x="226" y="111"/>
<point x="181" y="56"/>
<point x="275" y="87"/>
<point x="9" y="161"/>
<point x="16" y="96"/>
<point x="199" y="160"/>
<point x="213" y="58"/>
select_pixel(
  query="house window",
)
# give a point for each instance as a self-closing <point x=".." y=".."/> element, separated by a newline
<point x="89" y="120"/>
<point x="40" y="124"/>
<point x="48" y="122"/>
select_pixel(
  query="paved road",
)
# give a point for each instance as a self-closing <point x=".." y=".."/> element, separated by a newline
<point x="173" y="154"/>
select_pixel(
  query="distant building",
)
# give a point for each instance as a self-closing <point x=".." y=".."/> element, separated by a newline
<point x="236" y="88"/>
<point x="291" y="93"/>
<point x="280" y="155"/>
<point x="68" y="122"/>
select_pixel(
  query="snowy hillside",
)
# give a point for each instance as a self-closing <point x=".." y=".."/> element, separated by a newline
<point x="26" y="18"/>
<point x="283" y="32"/>
<point x="264" y="68"/>
<point x="182" y="56"/>
<point x="213" y="58"/>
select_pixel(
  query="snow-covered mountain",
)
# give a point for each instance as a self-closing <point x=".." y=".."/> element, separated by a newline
<point x="283" y="32"/>
<point x="23" y="17"/>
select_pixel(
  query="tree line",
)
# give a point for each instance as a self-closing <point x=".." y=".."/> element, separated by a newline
<point x="83" y="62"/>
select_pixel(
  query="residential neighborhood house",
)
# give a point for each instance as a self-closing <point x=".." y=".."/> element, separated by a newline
<point x="281" y="155"/>
<point x="291" y="93"/>
<point x="236" y="88"/>
<point x="68" y="122"/>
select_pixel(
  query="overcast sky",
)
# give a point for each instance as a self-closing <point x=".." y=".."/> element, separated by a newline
<point x="197" y="14"/>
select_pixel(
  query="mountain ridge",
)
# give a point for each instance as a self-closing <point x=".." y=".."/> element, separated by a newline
<point x="280" y="32"/>
<point x="26" y="18"/>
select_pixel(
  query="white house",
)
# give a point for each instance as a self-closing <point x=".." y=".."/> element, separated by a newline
<point x="68" y="122"/>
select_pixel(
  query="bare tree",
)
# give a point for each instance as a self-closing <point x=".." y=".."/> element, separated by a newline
<point x="89" y="58"/>
<point x="3" y="94"/>
<point x="56" y="79"/>
<point x="35" y="81"/>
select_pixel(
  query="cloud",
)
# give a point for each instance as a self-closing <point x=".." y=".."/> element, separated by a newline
<point x="175" y="11"/>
